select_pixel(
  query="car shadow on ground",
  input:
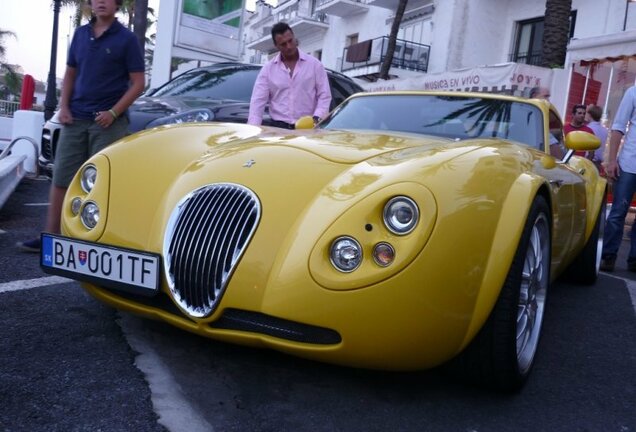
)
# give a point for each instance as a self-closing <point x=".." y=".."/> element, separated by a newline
<point x="583" y="372"/>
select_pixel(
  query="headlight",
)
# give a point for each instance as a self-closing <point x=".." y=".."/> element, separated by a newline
<point x="401" y="215"/>
<point x="89" y="177"/>
<point x="191" y="116"/>
<point x="346" y="254"/>
<point x="90" y="215"/>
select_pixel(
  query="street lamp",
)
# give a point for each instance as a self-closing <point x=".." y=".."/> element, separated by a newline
<point x="50" y="102"/>
<point x="627" y="2"/>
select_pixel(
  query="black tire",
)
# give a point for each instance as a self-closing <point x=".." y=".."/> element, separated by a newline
<point x="496" y="358"/>
<point x="586" y="266"/>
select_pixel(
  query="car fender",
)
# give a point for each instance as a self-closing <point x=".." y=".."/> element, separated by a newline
<point x="596" y="195"/>
<point x="595" y="192"/>
<point x="512" y="219"/>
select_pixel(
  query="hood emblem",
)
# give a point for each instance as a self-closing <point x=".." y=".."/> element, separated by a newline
<point x="249" y="163"/>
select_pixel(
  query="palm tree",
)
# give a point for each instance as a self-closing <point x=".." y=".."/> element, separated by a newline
<point x="3" y="35"/>
<point x="140" y="22"/>
<point x="12" y="80"/>
<point x="556" y="29"/>
<point x="135" y="11"/>
<point x="390" y="51"/>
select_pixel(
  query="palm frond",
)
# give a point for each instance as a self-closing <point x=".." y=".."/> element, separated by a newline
<point x="4" y="34"/>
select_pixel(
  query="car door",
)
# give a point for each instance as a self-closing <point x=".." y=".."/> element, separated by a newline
<point x="567" y="187"/>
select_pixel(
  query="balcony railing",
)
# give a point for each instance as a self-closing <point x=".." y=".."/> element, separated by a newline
<point x="341" y="8"/>
<point x="298" y="12"/>
<point x="319" y="17"/>
<point x="408" y="55"/>
<point x="7" y="108"/>
<point x="532" y="58"/>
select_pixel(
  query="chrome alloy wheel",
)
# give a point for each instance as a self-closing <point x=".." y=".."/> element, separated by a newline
<point x="532" y="292"/>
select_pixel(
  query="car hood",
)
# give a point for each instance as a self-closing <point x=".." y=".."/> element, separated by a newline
<point x="147" y="109"/>
<point x="303" y="180"/>
<point x="175" y="104"/>
<point x="212" y="141"/>
<point x="277" y="164"/>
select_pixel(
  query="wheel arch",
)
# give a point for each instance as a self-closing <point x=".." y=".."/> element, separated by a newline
<point x="512" y="220"/>
<point x="596" y="195"/>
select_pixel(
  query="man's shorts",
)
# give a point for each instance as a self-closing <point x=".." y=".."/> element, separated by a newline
<point x="81" y="140"/>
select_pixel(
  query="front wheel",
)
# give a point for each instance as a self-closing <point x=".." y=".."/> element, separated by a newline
<point x="503" y="352"/>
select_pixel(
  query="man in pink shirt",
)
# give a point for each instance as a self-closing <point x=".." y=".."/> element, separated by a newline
<point x="293" y="84"/>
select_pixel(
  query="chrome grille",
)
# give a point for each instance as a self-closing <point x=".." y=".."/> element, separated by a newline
<point x="46" y="147"/>
<point x="206" y="236"/>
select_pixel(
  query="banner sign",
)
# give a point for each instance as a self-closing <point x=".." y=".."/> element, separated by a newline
<point x="510" y="78"/>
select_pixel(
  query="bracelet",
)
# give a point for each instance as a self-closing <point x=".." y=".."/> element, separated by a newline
<point x="113" y="113"/>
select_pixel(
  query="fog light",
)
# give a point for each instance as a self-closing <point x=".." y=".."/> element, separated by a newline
<point x="383" y="254"/>
<point x="75" y="205"/>
<point x="90" y="215"/>
<point x="346" y="254"/>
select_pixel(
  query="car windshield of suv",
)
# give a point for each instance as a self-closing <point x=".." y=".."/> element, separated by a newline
<point x="453" y="117"/>
<point x="223" y="84"/>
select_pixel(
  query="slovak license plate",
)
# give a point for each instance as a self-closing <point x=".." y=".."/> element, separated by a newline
<point x="126" y="269"/>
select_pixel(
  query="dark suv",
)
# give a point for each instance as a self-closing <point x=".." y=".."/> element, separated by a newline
<point x="220" y="92"/>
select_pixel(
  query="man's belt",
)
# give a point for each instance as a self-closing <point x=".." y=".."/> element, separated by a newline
<point x="282" y="124"/>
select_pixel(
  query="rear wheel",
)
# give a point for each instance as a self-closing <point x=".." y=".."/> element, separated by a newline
<point x="503" y="352"/>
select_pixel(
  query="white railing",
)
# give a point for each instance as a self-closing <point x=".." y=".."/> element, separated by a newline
<point x="324" y="2"/>
<point x="7" y="108"/>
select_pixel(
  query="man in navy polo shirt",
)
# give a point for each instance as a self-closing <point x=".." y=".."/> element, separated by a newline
<point x="104" y="75"/>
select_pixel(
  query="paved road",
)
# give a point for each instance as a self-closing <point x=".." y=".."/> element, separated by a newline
<point x="69" y="363"/>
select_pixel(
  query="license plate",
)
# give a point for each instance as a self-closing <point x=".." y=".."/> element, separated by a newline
<point x="130" y="270"/>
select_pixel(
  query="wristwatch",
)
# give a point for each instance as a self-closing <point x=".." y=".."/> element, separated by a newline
<point x="316" y="120"/>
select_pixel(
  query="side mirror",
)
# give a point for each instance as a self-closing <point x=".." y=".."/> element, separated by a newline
<point x="305" y="122"/>
<point x="581" y="141"/>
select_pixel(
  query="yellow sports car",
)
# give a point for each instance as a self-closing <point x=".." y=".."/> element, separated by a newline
<point x="406" y="230"/>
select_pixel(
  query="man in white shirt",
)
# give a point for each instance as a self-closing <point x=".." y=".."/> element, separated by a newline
<point x="621" y="168"/>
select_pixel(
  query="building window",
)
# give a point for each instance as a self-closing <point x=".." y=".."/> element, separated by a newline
<point x="529" y="40"/>
<point x="352" y="40"/>
<point x="318" y="54"/>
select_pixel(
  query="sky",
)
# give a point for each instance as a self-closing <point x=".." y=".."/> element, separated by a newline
<point x="32" y="22"/>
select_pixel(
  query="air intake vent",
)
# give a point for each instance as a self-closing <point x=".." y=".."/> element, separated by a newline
<point x="206" y="236"/>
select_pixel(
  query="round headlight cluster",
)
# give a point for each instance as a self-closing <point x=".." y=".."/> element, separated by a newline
<point x="346" y="254"/>
<point x="88" y="178"/>
<point x="401" y="215"/>
<point x="90" y="215"/>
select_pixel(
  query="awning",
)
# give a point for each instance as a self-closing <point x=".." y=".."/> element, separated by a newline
<point x="608" y="47"/>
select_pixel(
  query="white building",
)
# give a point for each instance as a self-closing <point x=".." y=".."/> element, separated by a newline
<point x="440" y="36"/>
<point x="484" y="45"/>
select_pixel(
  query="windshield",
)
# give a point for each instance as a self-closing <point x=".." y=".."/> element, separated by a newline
<point x="453" y="117"/>
<point x="230" y="83"/>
